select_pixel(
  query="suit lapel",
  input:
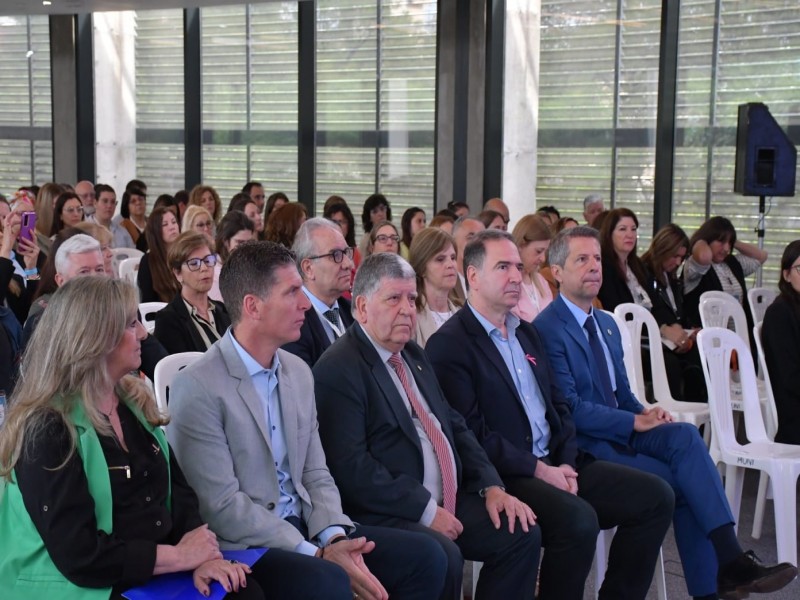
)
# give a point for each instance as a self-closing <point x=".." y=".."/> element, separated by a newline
<point x="286" y="393"/>
<point x="487" y="347"/>
<point x="576" y="333"/>
<point x="244" y="387"/>
<point x="384" y="382"/>
<point x="429" y="388"/>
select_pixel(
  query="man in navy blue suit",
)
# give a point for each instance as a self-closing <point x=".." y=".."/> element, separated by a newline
<point x="586" y="355"/>
<point x="326" y="265"/>
<point x="500" y="380"/>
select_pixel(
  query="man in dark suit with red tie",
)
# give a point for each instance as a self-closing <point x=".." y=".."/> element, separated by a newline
<point x="401" y="457"/>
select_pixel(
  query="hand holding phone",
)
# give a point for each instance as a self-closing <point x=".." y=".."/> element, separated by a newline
<point x="28" y="227"/>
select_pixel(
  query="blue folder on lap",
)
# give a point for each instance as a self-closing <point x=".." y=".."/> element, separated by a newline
<point x="179" y="586"/>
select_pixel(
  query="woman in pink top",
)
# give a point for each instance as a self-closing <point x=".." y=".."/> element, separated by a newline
<point x="532" y="236"/>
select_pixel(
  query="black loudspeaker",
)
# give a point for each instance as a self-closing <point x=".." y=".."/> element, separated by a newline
<point x="766" y="159"/>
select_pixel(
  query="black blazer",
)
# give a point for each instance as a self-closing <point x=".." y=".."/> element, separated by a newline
<point x="477" y="383"/>
<point x="663" y="312"/>
<point x="780" y="336"/>
<point x="371" y="444"/>
<point x="313" y="338"/>
<point x="177" y="332"/>
<point x="614" y="290"/>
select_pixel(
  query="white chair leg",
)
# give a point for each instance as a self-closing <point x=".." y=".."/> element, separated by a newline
<point x="761" y="500"/>
<point x="734" y="478"/>
<point x="601" y="551"/>
<point x="785" y="494"/>
<point x="661" y="582"/>
<point x="476" y="572"/>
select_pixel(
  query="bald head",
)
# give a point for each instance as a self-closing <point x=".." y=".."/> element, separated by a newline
<point x="497" y="205"/>
<point x="85" y="191"/>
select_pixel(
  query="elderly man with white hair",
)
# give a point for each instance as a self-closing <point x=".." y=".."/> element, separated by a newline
<point x="592" y="206"/>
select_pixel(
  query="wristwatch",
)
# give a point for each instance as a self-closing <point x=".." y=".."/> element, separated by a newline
<point x="482" y="492"/>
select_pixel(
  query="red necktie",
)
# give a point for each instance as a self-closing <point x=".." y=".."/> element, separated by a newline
<point x="435" y="435"/>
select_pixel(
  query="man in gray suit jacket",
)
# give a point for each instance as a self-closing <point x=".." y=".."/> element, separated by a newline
<point x="244" y="428"/>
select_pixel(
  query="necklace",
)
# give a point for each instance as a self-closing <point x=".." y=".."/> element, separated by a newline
<point x="114" y="402"/>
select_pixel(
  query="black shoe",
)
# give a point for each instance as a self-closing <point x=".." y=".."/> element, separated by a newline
<point x="746" y="574"/>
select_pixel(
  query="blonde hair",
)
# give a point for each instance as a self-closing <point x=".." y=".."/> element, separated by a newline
<point x="61" y="371"/>
<point x="45" y="207"/>
<point x="97" y="231"/>
<point x="191" y="214"/>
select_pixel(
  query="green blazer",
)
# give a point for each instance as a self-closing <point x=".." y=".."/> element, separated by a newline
<point x="26" y="570"/>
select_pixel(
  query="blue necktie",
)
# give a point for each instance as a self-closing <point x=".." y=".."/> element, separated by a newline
<point x="600" y="359"/>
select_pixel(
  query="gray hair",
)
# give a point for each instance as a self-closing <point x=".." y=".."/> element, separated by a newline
<point x="559" y="247"/>
<point x="376" y="267"/>
<point x="591" y="199"/>
<point x="475" y="250"/>
<point x="77" y="244"/>
<point x="461" y="220"/>
<point x="303" y="246"/>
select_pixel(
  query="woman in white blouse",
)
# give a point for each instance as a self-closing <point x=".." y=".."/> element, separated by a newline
<point x="433" y="256"/>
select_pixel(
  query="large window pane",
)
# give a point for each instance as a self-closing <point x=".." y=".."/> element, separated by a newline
<point x="250" y="96"/>
<point x="752" y="58"/>
<point x="160" y="155"/>
<point x="26" y="152"/>
<point x="376" y="70"/>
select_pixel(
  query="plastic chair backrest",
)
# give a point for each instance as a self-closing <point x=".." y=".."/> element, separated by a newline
<point x="146" y="309"/>
<point x="634" y="378"/>
<point x="120" y="254"/>
<point x="128" y="269"/>
<point x="770" y="410"/>
<point x="639" y="321"/>
<point x="716" y="345"/>
<point x="165" y="372"/>
<point x="760" y="298"/>
<point x="720" y="309"/>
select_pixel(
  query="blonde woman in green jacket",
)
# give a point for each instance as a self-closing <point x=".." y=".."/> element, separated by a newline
<point x="92" y="501"/>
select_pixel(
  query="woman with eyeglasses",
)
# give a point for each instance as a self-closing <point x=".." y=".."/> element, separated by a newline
<point x="133" y="211"/>
<point x="68" y="212"/>
<point x="156" y="281"/>
<point x="383" y="238"/>
<point x="197" y="218"/>
<point x="668" y="250"/>
<point x="191" y="322"/>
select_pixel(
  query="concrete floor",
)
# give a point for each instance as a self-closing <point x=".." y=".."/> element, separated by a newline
<point x="765" y="548"/>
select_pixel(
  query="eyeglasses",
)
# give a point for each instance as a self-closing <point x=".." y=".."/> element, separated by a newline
<point x="203" y="225"/>
<point x="193" y="264"/>
<point x="796" y="268"/>
<point x="74" y="210"/>
<point x="385" y="239"/>
<point x="337" y="255"/>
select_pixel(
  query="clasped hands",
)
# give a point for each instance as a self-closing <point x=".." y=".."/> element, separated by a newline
<point x="349" y="554"/>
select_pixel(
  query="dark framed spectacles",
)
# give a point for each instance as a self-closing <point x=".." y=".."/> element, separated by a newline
<point x="194" y="264"/>
<point x="796" y="268"/>
<point x="337" y="255"/>
<point x="385" y="239"/>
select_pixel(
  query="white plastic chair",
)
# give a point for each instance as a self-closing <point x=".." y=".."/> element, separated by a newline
<point x="120" y="254"/>
<point x="641" y="321"/>
<point x="635" y="378"/>
<point x="601" y="563"/>
<point x="149" y="308"/>
<point x="780" y="461"/>
<point x="759" y="299"/>
<point x="128" y="268"/>
<point x="770" y="413"/>
<point x="165" y="372"/>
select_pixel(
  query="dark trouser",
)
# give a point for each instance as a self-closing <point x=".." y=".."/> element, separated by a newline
<point x="510" y="561"/>
<point x="638" y="504"/>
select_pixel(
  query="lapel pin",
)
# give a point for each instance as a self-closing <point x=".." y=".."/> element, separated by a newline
<point x="608" y="331"/>
<point x="419" y="367"/>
